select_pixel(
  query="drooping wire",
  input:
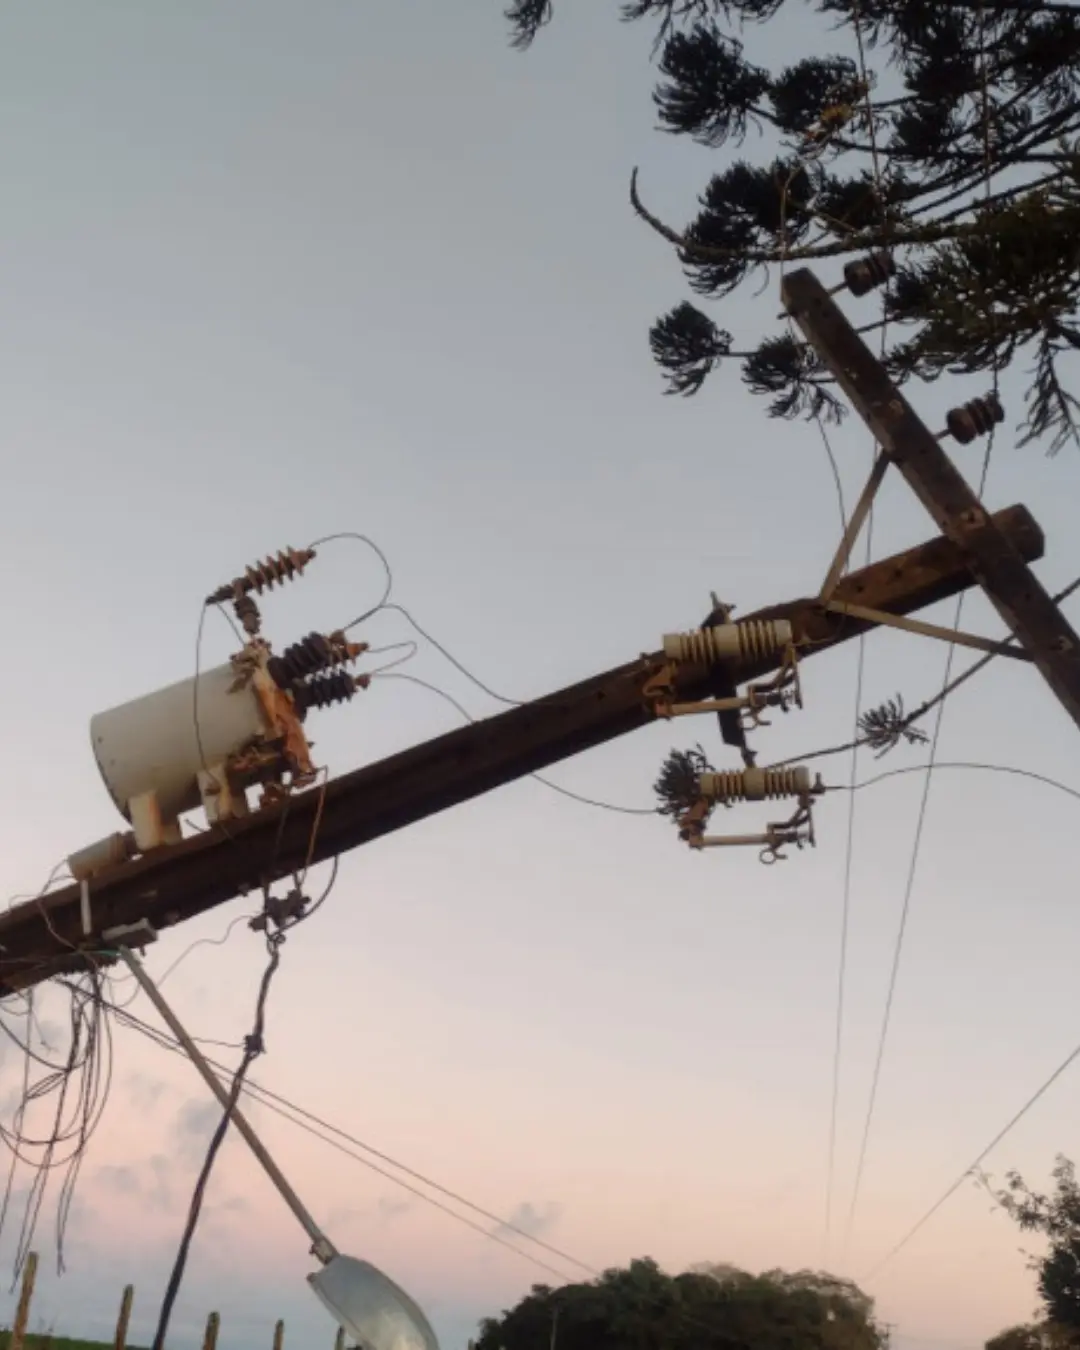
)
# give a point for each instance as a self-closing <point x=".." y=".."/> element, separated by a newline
<point x="1066" y="1063"/>
<point x="555" y="787"/>
<point x="973" y="1166"/>
<point x="79" y="1084"/>
<point x="973" y="765"/>
<point x="945" y="683"/>
<point x="388" y="581"/>
<point x="341" y="1139"/>
<point x="253" y="1047"/>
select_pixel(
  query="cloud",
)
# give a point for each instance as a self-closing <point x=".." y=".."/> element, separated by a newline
<point x="391" y="1208"/>
<point x="145" y="1092"/>
<point x="530" y="1219"/>
<point x="195" y="1122"/>
<point x="118" y="1180"/>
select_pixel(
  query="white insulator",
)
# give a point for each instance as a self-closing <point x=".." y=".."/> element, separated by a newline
<point x="755" y="785"/>
<point x="753" y="639"/>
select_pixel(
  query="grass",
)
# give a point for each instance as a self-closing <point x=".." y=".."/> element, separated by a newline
<point x="49" y="1342"/>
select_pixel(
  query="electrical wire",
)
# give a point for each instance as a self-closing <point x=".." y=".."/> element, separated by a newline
<point x="313" y="1124"/>
<point x="974" y="765"/>
<point x="388" y="583"/>
<point x="79" y="1086"/>
<point x="253" y="1047"/>
<point x="909" y="888"/>
<point x="920" y="712"/>
<point x="950" y="654"/>
<point x="972" y="1167"/>
<point x="555" y="787"/>
<point x="203" y="942"/>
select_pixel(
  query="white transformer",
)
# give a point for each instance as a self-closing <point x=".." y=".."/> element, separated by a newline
<point x="202" y="741"/>
<point x="206" y="740"/>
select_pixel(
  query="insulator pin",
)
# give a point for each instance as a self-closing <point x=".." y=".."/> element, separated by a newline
<point x="756" y="785"/>
<point x="977" y="418"/>
<point x="247" y="611"/>
<point x="750" y="640"/>
<point x="321" y="691"/>
<point x="863" y="275"/>
<point x="264" y="576"/>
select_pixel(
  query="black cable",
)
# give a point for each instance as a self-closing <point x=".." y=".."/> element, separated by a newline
<point x="253" y="1047"/>
<point x="959" y="764"/>
<point x="1040" y="1092"/>
<point x="308" y="1121"/>
<point x="565" y="792"/>
<point x="389" y="581"/>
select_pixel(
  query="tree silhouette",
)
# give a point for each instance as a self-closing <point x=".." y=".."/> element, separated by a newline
<point x="707" y="1308"/>
<point x="947" y="133"/>
<point x="1057" y="1218"/>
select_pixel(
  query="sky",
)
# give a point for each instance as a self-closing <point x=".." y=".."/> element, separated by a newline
<point x="275" y="270"/>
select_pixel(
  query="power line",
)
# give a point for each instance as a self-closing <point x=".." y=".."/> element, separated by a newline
<point x="307" y="1120"/>
<point x="909" y="887"/>
<point x="555" y="787"/>
<point x="1040" y="1092"/>
<point x="1029" y="774"/>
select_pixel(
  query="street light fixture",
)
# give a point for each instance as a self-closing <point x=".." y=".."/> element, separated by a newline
<point x="371" y="1309"/>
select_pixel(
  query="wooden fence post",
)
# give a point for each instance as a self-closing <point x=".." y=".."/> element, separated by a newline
<point x="22" y="1313"/>
<point x="279" y="1336"/>
<point x="213" y="1324"/>
<point x="120" y="1340"/>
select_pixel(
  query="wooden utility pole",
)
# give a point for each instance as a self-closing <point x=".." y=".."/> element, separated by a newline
<point x="124" y="1319"/>
<point x="26" y="1296"/>
<point x="46" y="936"/>
<point x="997" y="565"/>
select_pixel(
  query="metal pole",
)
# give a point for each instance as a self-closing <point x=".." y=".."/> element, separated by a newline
<point x="321" y="1245"/>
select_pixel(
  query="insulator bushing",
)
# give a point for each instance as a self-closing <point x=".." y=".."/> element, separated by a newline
<point x="863" y="275"/>
<point x="323" y="690"/>
<point x="977" y="418"/>
<point x="264" y="576"/>
<point x="755" y="785"/>
<point x="306" y="657"/>
<point x="310" y="656"/>
<point x="750" y="640"/>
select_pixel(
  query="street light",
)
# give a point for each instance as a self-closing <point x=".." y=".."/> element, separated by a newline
<point x="366" y="1304"/>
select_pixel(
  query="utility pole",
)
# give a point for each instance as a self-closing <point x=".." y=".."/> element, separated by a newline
<point x="1015" y="592"/>
<point x="60" y="931"/>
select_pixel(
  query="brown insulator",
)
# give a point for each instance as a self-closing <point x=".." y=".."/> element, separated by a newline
<point x="977" y="418"/>
<point x="264" y="576"/>
<point x="862" y="275"/>
<point x="323" y="690"/>
<point x="311" y="655"/>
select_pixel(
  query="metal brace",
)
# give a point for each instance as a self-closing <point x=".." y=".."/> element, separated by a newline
<point x="796" y="832"/>
<point x="783" y="691"/>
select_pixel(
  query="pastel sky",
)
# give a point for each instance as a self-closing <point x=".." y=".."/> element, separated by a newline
<point x="274" y="269"/>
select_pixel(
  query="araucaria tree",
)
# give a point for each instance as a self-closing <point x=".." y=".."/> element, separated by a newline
<point x="944" y="132"/>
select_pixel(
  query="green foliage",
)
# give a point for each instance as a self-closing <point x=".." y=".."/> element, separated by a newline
<point x="947" y="132"/>
<point x="50" y="1342"/>
<point x="1057" y="1218"/>
<point x="708" y="1308"/>
<point x="1032" y="1336"/>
